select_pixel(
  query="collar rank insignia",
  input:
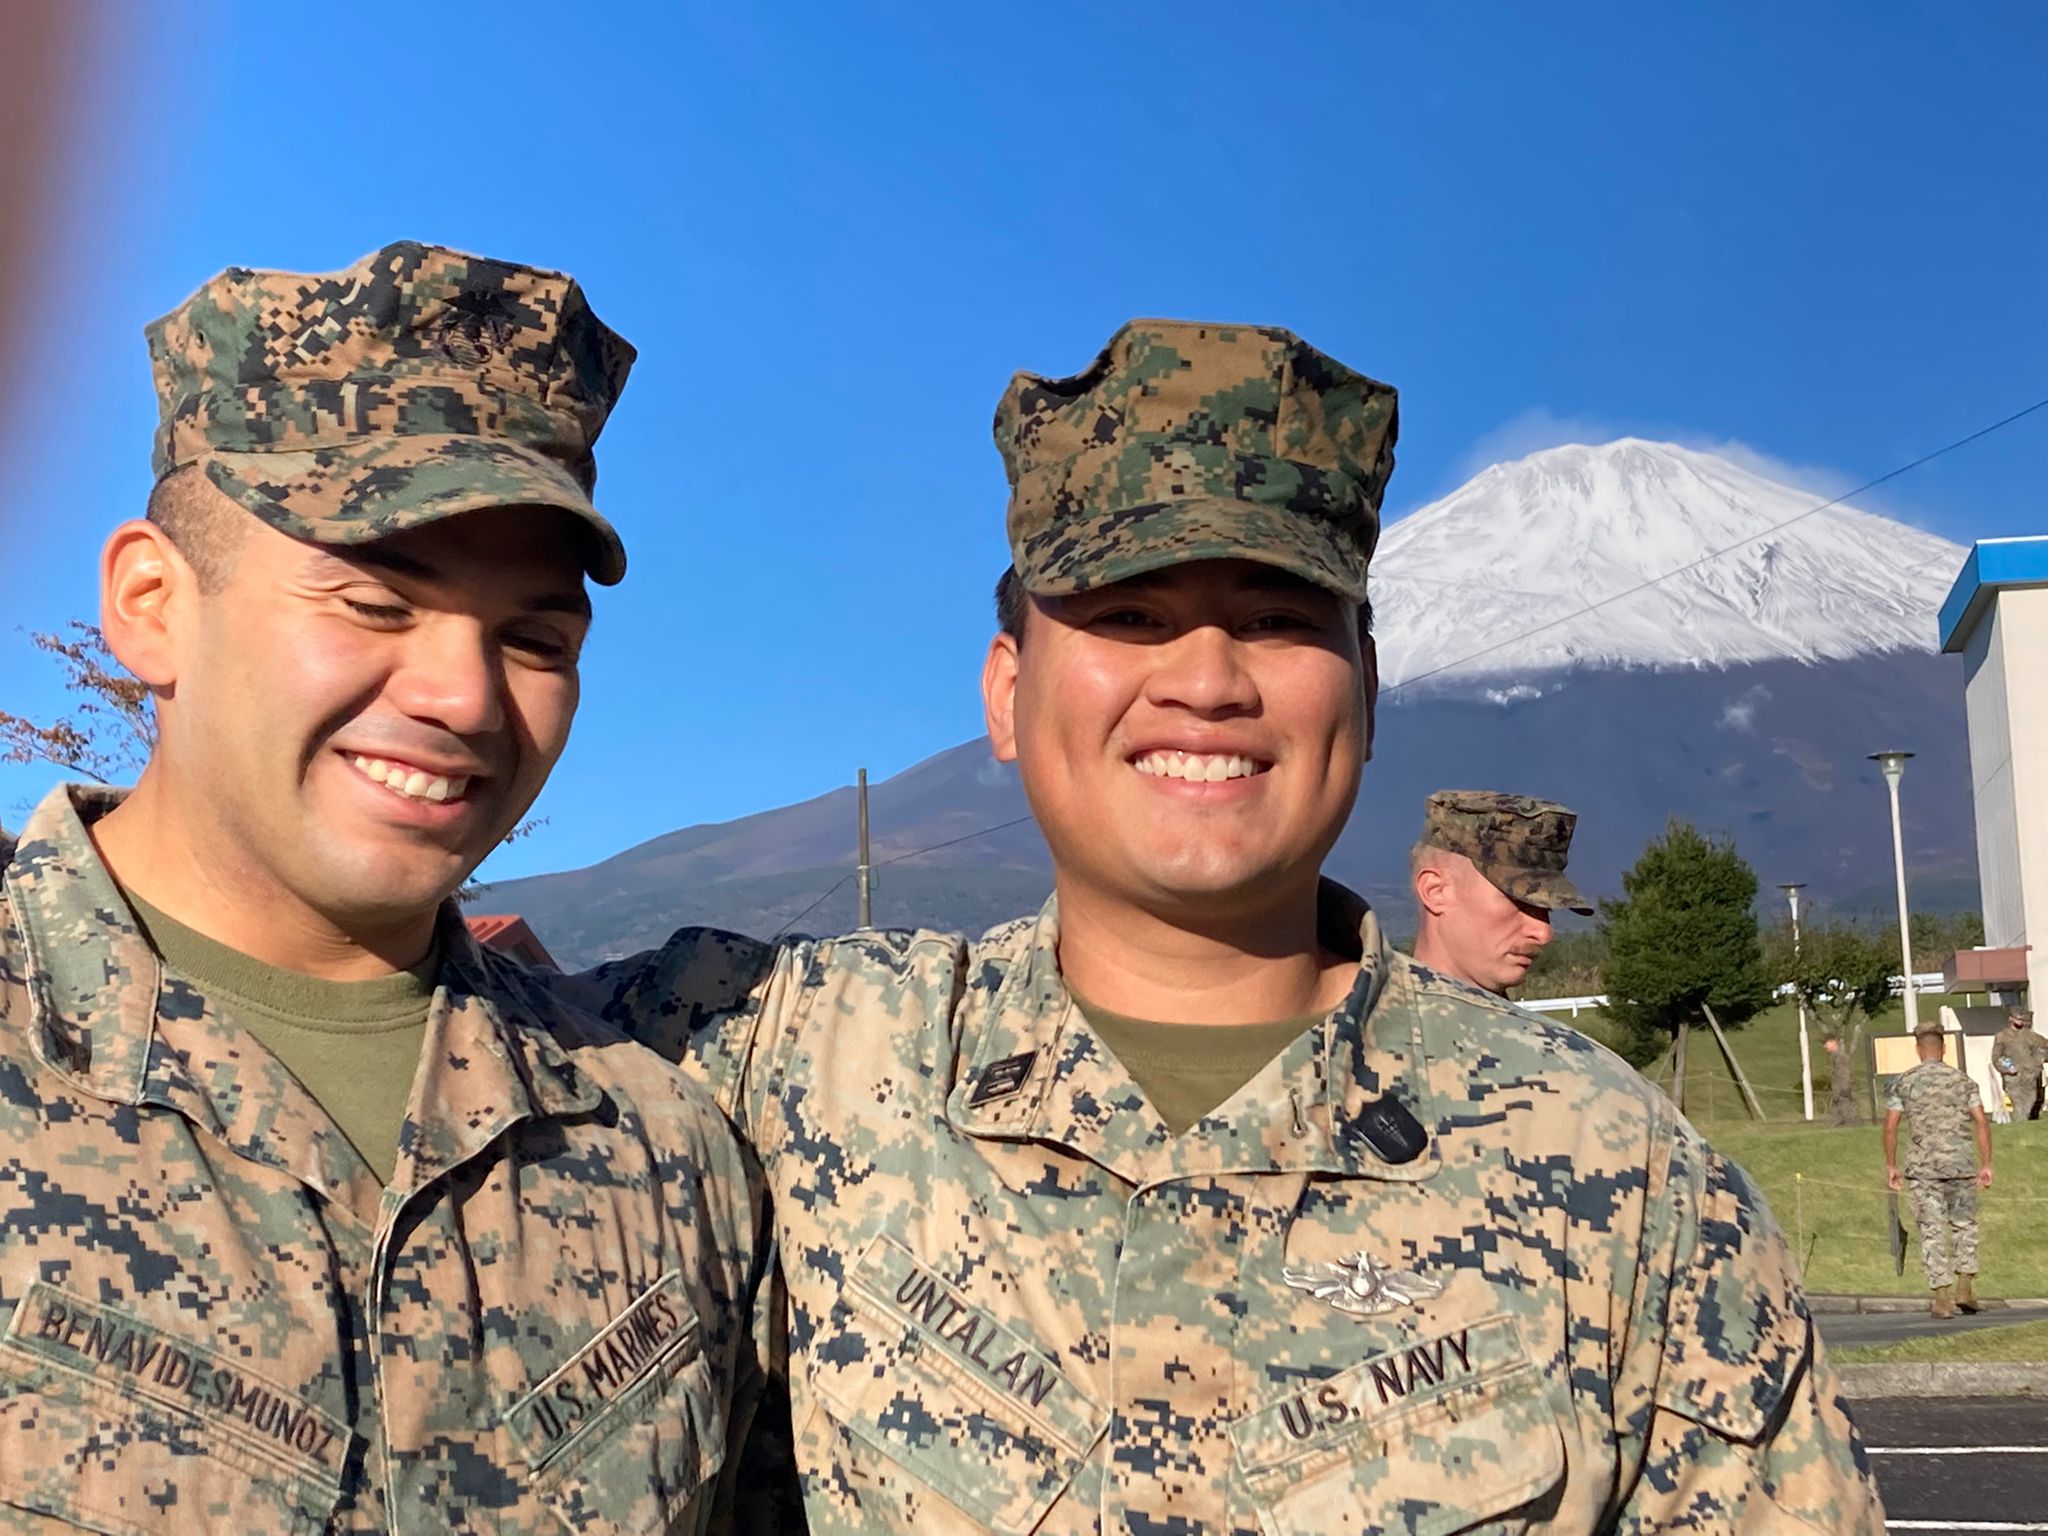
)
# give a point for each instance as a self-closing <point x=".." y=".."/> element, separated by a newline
<point x="1002" y="1079"/>
<point x="1362" y="1286"/>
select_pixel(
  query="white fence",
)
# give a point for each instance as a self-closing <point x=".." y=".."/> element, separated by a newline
<point x="1923" y="981"/>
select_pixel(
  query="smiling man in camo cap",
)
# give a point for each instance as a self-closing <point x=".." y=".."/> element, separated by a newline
<point x="1189" y="1204"/>
<point x="1488" y="871"/>
<point x="319" y="1216"/>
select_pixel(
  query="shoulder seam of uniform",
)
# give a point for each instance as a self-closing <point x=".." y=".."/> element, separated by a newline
<point x="1426" y="980"/>
<point x="898" y="941"/>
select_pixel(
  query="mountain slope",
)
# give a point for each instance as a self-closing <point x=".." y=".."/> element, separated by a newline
<point x="1743" y="695"/>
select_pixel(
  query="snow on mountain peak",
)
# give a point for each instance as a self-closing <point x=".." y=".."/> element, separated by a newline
<point x="1486" y="586"/>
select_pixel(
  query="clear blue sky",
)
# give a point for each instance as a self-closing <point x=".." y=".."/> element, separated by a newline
<point x="833" y="232"/>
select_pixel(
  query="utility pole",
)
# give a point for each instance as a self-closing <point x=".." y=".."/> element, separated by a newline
<point x="1893" y="766"/>
<point x="1792" y="890"/>
<point x="867" y="873"/>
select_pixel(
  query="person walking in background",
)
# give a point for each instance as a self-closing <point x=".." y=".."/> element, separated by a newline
<point x="1488" y="871"/>
<point x="2019" y="1056"/>
<point x="1944" y="1109"/>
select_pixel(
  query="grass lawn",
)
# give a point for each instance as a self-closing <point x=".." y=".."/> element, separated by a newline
<point x="1826" y="1184"/>
<point x="1826" y="1188"/>
<point x="2026" y="1343"/>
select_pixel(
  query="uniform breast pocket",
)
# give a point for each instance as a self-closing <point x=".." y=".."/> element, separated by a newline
<point x="624" y="1436"/>
<point x="109" y="1425"/>
<point x="1455" y="1433"/>
<point x="956" y="1399"/>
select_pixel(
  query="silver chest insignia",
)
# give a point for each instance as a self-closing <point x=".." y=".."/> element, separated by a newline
<point x="1362" y="1286"/>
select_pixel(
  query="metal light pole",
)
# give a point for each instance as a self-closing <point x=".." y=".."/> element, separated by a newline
<point x="1893" y="766"/>
<point x="866" y="870"/>
<point x="1792" y="890"/>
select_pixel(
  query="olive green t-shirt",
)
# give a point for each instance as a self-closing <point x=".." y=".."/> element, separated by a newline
<point x="1187" y="1070"/>
<point x="354" y="1045"/>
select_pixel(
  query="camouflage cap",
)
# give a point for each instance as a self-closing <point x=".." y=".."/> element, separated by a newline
<point x="1517" y="842"/>
<point x="1187" y="442"/>
<point x="416" y="384"/>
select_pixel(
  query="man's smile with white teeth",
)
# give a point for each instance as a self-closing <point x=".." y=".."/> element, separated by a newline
<point x="1198" y="767"/>
<point x="413" y="783"/>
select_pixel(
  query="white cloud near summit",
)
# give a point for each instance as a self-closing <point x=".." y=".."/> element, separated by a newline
<point x="1739" y="714"/>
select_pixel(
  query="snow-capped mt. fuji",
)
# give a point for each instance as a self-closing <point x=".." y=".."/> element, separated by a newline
<point x="1462" y="588"/>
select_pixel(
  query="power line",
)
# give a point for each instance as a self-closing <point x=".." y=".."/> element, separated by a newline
<point x="1741" y="543"/>
<point x="807" y="911"/>
<point x="1001" y="826"/>
<point x="1592" y="607"/>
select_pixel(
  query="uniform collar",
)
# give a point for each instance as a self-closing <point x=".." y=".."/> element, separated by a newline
<point x="489" y="1060"/>
<point x="1040" y="1072"/>
<point x="105" y="1017"/>
<point x="93" y="980"/>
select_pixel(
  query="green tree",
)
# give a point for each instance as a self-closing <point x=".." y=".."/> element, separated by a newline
<point x="1568" y="966"/>
<point x="1840" y="971"/>
<point x="1681" y="938"/>
<point x="1937" y="935"/>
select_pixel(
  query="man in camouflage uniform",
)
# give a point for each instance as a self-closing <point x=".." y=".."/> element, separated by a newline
<point x="1405" y="1270"/>
<point x="1941" y="1169"/>
<point x="1488" y="870"/>
<point x="2019" y="1054"/>
<point x="224" y="1306"/>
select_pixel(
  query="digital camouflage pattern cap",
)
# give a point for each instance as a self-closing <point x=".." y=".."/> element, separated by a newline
<point x="414" y="385"/>
<point x="1184" y="442"/>
<point x="1517" y="842"/>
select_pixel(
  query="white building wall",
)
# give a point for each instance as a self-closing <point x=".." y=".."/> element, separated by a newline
<point x="1991" y="784"/>
<point x="2022" y="614"/>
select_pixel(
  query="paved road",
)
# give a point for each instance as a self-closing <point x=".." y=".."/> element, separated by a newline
<point x="1845" y="1328"/>
<point x="1966" y="1465"/>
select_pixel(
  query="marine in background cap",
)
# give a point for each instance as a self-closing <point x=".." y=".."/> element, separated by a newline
<point x="275" y="1120"/>
<point x="1139" y="1214"/>
<point x="1488" y="870"/>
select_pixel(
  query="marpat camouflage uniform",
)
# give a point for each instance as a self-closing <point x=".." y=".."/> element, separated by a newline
<point x="1940" y="1165"/>
<point x="2027" y="1052"/>
<point x="213" y="1315"/>
<point x="1438" y="1267"/>
<point x="217" y="1319"/>
<point x="1516" y="841"/>
<point x="1017" y="1304"/>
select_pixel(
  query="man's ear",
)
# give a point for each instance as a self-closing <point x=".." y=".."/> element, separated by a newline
<point x="1433" y="890"/>
<point x="999" y="696"/>
<point x="146" y="589"/>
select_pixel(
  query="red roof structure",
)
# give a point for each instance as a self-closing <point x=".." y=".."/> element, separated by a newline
<point x="1986" y="970"/>
<point x="508" y="933"/>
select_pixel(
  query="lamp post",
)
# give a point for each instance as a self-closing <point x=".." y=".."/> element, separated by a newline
<point x="1792" y="889"/>
<point x="1893" y="766"/>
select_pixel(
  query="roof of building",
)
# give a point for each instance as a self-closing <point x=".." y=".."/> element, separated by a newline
<point x="1992" y="564"/>
<point x="508" y="933"/>
<point x="1971" y="970"/>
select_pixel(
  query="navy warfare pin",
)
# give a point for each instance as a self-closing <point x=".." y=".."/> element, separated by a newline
<point x="1361" y="1285"/>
